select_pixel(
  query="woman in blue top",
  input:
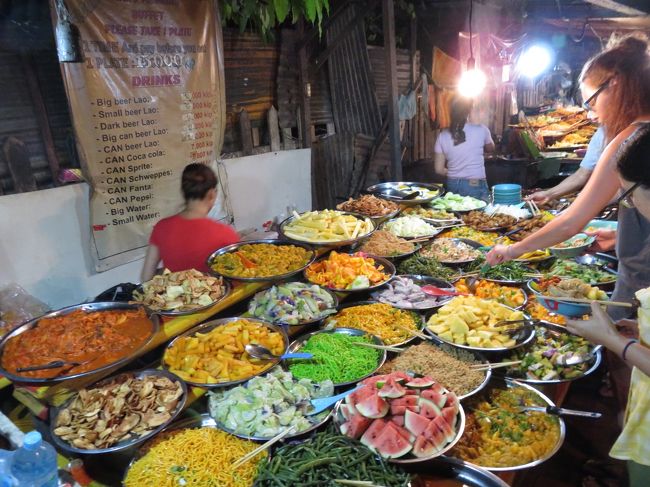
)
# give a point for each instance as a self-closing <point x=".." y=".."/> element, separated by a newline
<point x="458" y="153"/>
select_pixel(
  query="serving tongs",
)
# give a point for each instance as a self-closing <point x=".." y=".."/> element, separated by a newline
<point x="558" y="411"/>
<point x="432" y="290"/>
<point x="51" y="365"/>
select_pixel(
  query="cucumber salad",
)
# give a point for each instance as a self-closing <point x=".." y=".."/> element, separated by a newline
<point x="269" y="404"/>
<point x="292" y="303"/>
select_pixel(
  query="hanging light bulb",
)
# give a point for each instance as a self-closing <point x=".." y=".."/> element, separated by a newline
<point x="535" y="60"/>
<point x="472" y="81"/>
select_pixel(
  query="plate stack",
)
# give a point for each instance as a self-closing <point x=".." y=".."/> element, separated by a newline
<point x="506" y="194"/>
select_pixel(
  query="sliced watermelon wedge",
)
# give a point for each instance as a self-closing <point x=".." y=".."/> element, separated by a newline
<point x="435" y="435"/>
<point x="391" y="444"/>
<point x="420" y="382"/>
<point x="436" y="398"/>
<point x="425" y="447"/>
<point x="355" y="426"/>
<point x="415" y="423"/>
<point x="347" y="411"/>
<point x="373" y="407"/>
<point x="428" y="409"/>
<point x="359" y="395"/>
<point x="398" y="419"/>
<point x="373" y="380"/>
<point x="445" y="427"/>
<point x="373" y="431"/>
<point x="391" y="389"/>
<point x="401" y="410"/>
<point x="452" y="401"/>
<point x="451" y="416"/>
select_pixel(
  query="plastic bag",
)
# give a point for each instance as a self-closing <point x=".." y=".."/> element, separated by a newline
<point x="18" y="306"/>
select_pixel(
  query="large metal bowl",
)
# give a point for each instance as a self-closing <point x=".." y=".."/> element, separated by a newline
<point x="457" y="242"/>
<point x="409" y="458"/>
<point x="269" y="241"/>
<point x="386" y="191"/>
<point x="335" y="306"/>
<point x="337" y="243"/>
<point x="460" y="473"/>
<point x="211" y="325"/>
<point x="416" y="315"/>
<point x="523" y="337"/>
<point x="389" y="269"/>
<point x="122" y="445"/>
<point x="421" y="280"/>
<point x="431" y="235"/>
<point x="594" y="363"/>
<point x="542" y="401"/>
<point x="88" y="307"/>
<point x="170" y="312"/>
<point x="297" y="344"/>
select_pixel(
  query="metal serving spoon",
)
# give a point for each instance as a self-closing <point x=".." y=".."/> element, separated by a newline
<point x="560" y="411"/>
<point x="263" y="353"/>
<point x="51" y="365"/>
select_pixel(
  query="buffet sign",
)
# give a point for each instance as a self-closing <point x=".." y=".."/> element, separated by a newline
<point x="147" y="100"/>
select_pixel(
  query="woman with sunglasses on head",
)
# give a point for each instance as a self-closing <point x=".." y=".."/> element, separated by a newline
<point x="615" y="85"/>
<point x="633" y="444"/>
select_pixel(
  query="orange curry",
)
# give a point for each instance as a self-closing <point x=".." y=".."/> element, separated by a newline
<point x="94" y="339"/>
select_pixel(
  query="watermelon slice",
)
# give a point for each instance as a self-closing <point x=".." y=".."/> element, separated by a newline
<point x="438" y="388"/>
<point x="436" y="398"/>
<point x="355" y="426"/>
<point x="373" y="432"/>
<point x="347" y="411"/>
<point x="373" y="380"/>
<point x="420" y="382"/>
<point x="391" y="389"/>
<point x="415" y="423"/>
<point x="445" y="427"/>
<point x="398" y="419"/>
<point x="373" y="407"/>
<point x="411" y="392"/>
<point x="435" y="435"/>
<point x="390" y="444"/>
<point x="358" y="395"/>
<point x="424" y="447"/>
<point x="401" y="410"/>
<point x="452" y="401"/>
<point x="451" y="416"/>
<point x="401" y="431"/>
<point x="428" y="409"/>
<point x="405" y="401"/>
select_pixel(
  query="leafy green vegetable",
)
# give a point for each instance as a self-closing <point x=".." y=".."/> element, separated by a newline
<point x="508" y="271"/>
<point x="426" y="266"/>
<point x="591" y="274"/>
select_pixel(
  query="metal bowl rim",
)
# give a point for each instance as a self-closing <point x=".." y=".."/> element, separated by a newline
<point x="153" y="317"/>
<point x="54" y="413"/>
<point x="210" y="325"/>
<point x="271" y="241"/>
<point x="376" y="190"/>
<point x="302" y="339"/>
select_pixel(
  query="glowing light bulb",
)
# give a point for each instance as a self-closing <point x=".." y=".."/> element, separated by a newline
<point x="534" y="61"/>
<point x="472" y="82"/>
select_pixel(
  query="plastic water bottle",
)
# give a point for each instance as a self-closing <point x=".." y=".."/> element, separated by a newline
<point x="7" y="480"/>
<point x="34" y="464"/>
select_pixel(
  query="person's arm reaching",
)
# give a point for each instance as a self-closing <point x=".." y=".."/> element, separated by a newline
<point x="600" y="329"/>
<point x="439" y="164"/>
<point x="574" y="182"/>
<point x="150" y="265"/>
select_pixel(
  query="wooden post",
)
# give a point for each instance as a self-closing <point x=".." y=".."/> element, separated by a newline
<point x="274" y="130"/>
<point x="41" y="117"/>
<point x="245" y="132"/>
<point x="303" y="96"/>
<point x="388" y="14"/>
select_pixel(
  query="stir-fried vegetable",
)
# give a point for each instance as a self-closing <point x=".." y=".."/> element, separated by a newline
<point x="425" y="266"/>
<point x="292" y="303"/>
<point x="591" y="274"/>
<point x="508" y="271"/>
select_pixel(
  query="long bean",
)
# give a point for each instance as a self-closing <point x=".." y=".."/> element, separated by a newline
<point x="325" y="457"/>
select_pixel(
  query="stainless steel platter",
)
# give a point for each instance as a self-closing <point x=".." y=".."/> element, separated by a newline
<point x="417" y="315"/>
<point x="541" y="401"/>
<point x="335" y="244"/>
<point x="269" y="241"/>
<point x="209" y="326"/>
<point x="386" y="191"/>
<point x="297" y="344"/>
<point x="389" y="269"/>
<point x="170" y="312"/>
<point x="133" y="441"/>
<point x="88" y="307"/>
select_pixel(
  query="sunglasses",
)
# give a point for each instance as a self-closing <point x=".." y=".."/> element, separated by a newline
<point x="626" y="198"/>
<point x="588" y="104"/>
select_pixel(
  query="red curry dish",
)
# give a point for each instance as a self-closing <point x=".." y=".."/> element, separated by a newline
<point x="94" y="338"/>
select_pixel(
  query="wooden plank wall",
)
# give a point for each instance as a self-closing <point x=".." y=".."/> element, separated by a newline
<point x="378" y="66"/>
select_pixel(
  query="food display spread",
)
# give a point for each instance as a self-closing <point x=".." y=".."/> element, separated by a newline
<point x="410" y="227"/>
<point x="292" y="303"/>
<point x="261" y="260"/>
<point x="180" y="291"/>
<point x="327" y="226"/>
<point x="219" y="355"/>
<point x="85" y="340"/>
<point x="389" y="324"/>
<point x="369" y="205"/>
<point x="346" y="271"/>
<point x="384" y="244"/>
<point x="451" y="251"/>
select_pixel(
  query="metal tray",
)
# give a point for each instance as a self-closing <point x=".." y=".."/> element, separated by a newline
<point x="389" y="269"/>
<point x="421" y="280"/>
<point x="338" y="243"/>
<point x="122" y="445"/>
<point x="303" y="323"/>
<point x="409" y="458"/>
<point x="463" y="473"/>
<point x="270" y="241"/>
<point x="595" y="362"/>
<point x="381" y="188"/>
<point x="89" y="307"/>
<point x="301" y="340"/>
<point x="523" y="337"/>
<point x="227" y="290"/>
<point x="417" y="314"/>
<point x="210" y="325"/>
<point x="509" y="383"/>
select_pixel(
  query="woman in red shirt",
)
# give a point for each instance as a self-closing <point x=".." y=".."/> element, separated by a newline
<point x="184" y="241"/>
